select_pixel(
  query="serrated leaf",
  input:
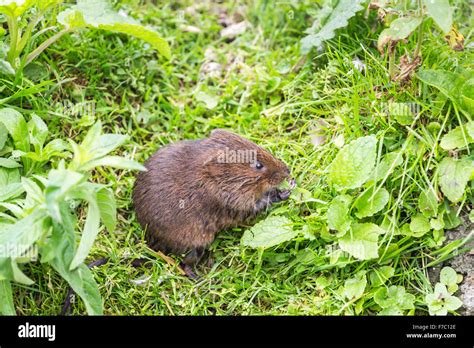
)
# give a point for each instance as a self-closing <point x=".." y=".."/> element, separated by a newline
<point x="269" y="232"/>
<point x="361" y="241"/>
<point x="453" y="177"/>
<point x="353" y="164"/>
<point x="338" y="213"/>
<point x="336" y="18"/>
<point x="399" y="29"/>
<point x="370" y="202"/>
<point x="441" y="12"/>
<point x="459" y="137"/>
<point x="100" y="14"/>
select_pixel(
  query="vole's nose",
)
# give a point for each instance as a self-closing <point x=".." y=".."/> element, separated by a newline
<point x="287" y="171"/>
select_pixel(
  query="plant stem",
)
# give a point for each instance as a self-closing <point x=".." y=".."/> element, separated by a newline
<point x="31" y="25"/>
<point x="420" y="31"/>
<point x="45" y="45"/>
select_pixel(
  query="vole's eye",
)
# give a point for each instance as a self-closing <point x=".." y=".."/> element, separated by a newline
<point x="258" y="165"/>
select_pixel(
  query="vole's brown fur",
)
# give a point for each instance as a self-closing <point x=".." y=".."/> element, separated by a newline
<point x="191" y="191"/>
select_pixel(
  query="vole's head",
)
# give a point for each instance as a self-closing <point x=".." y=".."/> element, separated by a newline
<point x="240" y="167"/>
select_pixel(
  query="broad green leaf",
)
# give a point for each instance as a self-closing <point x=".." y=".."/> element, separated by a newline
<point x="448" y="276"/>
<point x="457" y="86"/>
<point x="3" y="135"/>
<point x="38" y="130"/>
<point x="428" y="203"/>
<point x="380" y="275"/>
<point x="336" y="18"/>
<point x="107" y="143"/>
<point x="10" y="191"/>
<point x="453" y="177"/>
<point x="353" y="164"/>
<point x="354" y="287"/>
<point x="371" y="202"/>
<point x="80" y="279"/>
<point x="8" y="163"/>
<point x="107" y="208"/>
<point x="6" y="68"/>
<point x="17" y="127"/>
<point x="91" y="226"/>
<point x="338" y="213"/>
<point x="15" y="8"/>
<point x="385" y="167"/>
<point x="269" y="232"/>
<point x="452" y="303"/>
<point x="17" y="238"/>
<point x="361" y="241"/>
<point x="458" y="137"/>
<point x="419" y="225"/>
<point x="19" y="276"/>
<point x="394" y="297"/>
<point x="399" y="29"/>
<point x="100" y="14"/>
<point x="441" y="12"/>
<point x="9" y="176"/>
<point x="6" y="298"/>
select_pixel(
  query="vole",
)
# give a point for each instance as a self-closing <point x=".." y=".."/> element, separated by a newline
<point x="193" y="189"/>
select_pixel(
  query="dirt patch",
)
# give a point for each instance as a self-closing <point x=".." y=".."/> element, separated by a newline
<point x="462" y="263"/>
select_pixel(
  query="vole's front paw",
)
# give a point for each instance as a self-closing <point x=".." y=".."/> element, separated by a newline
<point x="284" y="195"/>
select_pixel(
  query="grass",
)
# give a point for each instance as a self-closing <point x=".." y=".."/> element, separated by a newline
<point x="268" y="94"/>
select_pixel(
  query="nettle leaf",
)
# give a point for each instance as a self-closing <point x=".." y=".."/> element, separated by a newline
<point x="269" y="232"/>
<point x="371" y="202"/>
<point x="354" y="287"/>
<point x="441" y="12"/>
<point x="453" y="177"/>
<point x="459" y="137"/>
<point x="399" y="29"/>
<point x="99" y="14"/>
<point x="6" y="303"/>
<point x="336" y="18"/>
<point x="353" y="164"/>
<point x="338" y="214"/>
<point x="361" y="241"/>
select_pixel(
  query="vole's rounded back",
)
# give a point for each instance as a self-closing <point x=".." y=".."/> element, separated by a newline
<point x="193" y="189"/>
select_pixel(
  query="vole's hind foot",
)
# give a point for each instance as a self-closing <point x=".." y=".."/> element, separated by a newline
<point x="189" y="272"/>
